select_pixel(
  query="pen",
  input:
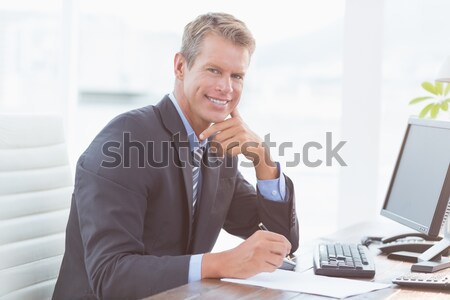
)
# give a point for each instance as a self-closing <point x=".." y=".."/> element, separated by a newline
<point x="289" y="258"/>
<point x="262" y="227"/>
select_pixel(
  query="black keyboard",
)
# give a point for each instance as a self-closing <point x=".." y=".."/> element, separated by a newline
<point x="343" y="260"/>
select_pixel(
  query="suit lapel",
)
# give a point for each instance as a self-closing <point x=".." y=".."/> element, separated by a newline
<point x="172" y="122"/>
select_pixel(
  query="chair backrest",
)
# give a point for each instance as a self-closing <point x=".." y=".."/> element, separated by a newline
<point x="35" y="189"/>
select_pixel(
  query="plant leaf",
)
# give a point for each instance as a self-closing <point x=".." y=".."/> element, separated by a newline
<point x="447" y="89"/>
<point x="429" y="87"/>
<point x="425" y="110"/>
<point x="444" y="105"/>
<point x="419" y="99"/>
<point x="438" y="87"/>
<point x="435" y="110"/>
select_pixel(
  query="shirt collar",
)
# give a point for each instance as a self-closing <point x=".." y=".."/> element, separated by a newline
<point x="194" y="142"/>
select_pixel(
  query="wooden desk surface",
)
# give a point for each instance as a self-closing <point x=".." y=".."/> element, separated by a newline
<point x="385" y="271"/>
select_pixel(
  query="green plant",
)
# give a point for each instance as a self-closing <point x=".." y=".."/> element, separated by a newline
<point x="439" y="100"/>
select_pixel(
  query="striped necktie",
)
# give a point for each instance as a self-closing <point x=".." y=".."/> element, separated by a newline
<point x="197" y="155"/>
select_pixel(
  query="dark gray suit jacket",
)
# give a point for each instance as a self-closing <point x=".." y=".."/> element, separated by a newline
<point x="130" y="232"/>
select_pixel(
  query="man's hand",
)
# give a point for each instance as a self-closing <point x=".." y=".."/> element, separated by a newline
<point x="234" y="137"/>
<point x="262" y="252"/>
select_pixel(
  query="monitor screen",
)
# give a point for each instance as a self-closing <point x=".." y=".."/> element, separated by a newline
<point x="419" y="191"/>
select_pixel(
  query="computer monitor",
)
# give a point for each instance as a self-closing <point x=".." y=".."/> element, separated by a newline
<point x="419" y="191"/>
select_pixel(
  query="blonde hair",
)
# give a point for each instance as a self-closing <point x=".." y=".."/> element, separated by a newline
<point x="222" y="24"/>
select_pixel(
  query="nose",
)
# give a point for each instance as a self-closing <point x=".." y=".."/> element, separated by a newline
<point x="225" y="85"/>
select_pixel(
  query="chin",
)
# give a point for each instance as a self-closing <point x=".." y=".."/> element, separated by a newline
<point x="216" y="119"/>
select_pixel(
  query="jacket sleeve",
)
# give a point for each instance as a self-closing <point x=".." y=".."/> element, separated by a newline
<point x="249" y="207"/>
<point x="111" y="219"/>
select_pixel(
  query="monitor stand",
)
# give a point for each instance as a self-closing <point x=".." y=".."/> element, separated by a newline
<point x="431" y="260"/>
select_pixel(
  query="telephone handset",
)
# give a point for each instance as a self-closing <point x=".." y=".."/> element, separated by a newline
<point x="410" y="235"/>
<point x="411" y="242"/>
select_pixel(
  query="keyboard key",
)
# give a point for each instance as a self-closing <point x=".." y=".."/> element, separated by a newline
<point x="323" y="252"/>
<point x="346" y="249"/>
<point x="339" y="252"/>
<point x="331" y="251"/>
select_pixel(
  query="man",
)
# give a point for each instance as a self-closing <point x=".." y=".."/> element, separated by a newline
<point x="139" y="227"/>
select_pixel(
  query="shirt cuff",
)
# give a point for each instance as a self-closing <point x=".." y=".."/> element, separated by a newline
<point x="195" y="268"/>
<point x="273" y="189"/>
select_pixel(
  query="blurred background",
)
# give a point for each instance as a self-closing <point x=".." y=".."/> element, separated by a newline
<point x="345" y="67"/>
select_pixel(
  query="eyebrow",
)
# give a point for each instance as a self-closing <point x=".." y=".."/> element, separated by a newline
<point x="209" y="65"/>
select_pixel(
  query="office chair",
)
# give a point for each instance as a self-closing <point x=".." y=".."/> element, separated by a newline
<point x="35" y="191"/>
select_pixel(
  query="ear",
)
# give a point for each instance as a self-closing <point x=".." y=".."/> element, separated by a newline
<point x="179" y="64"/>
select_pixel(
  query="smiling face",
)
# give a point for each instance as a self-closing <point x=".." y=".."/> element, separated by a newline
<point x="211" y="88"/>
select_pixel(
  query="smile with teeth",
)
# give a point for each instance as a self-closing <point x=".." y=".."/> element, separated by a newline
<point x="217" y="101"/>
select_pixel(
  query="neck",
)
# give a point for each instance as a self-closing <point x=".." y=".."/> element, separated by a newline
<point x="197" y="124"/>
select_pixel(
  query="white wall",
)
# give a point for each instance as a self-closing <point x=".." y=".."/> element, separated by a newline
<point x="361" y="106"/>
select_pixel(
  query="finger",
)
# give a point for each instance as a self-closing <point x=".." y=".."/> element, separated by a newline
<point x="251" y="152"/>
<point x="231" y="147"/>
<point x="230" y="143"/>
<point x="264" y="266"/>
<point x="227" y="134"/>
<point x="275" y="237"/>
<point x="266" y="260"/>
<point x="222" y="148"/>
<point x="271" y="266"/>
<point x="274" y="248"/>
<point x="216" y="128"/>
<point x="278" y="249"/>
<point x="270" y="248"/>
<point x="235" y="113"/>
<point x="273" y="261"/>
<point x="234" y="151"/>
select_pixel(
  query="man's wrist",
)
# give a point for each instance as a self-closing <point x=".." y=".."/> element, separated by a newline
<point x="213" y="265"/>
<point x="265" y="168"/>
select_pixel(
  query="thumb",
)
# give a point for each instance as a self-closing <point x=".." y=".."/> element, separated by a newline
<point x="235" y="113"/>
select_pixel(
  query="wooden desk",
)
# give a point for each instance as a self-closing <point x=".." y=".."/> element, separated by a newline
<point x="385" y="271"/>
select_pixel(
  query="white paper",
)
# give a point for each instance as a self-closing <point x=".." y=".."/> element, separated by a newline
<point x="308" y="282"/>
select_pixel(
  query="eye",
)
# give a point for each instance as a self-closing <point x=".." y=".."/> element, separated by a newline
<point x="238" y="77"/>
<point x="214" y="71"/>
